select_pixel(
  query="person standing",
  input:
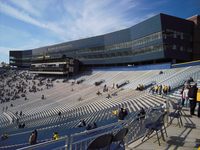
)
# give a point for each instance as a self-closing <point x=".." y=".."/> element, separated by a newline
<point x="32" y="139"/>
<point x="122" y="114"/>
<point x="185" y="95"/>
<point x="198" y="101"/>
<point x="55" y="136"/>
<point x="192" y="94"/>
<point x="36" y="135"/>
<point x="59" y="114"/>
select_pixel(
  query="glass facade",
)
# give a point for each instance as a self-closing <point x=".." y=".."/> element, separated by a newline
<point x="139" y="46"/>
<point x="159" y="37"/>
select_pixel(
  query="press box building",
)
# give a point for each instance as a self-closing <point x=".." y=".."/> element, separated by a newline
<point x="161" y="38"/>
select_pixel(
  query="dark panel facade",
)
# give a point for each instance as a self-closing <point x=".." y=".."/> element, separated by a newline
<point x="196" y="36"/>
<point x="15" y="58"/>
<point x="177" y="38"/>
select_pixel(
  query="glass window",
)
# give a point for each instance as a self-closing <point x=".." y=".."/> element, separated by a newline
<point x="174" y="47"/>
<point x="181" y="36"/>
<point x="175" y="35"/>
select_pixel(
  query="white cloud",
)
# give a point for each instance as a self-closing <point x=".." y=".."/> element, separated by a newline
<point x="79" y="18"/>
<point x="71" y="19"/>
<point x="97" y="17"/>
<point x="25" y="17"/>
<point x="20" y="15"/>
<point x="26" y="6"/>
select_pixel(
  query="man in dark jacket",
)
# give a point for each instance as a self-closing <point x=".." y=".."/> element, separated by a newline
<point x="192" y="94"/>
<point x="36" y="134"/>
<point x="122" y="114"/>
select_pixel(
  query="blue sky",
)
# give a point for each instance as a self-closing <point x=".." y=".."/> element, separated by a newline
<point x="26" y="24"/>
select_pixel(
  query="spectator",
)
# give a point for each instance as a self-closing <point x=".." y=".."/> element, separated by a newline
<point x="122" y="114"/>
<point x="80" y="99"/>
<point x="159" y="89"/>
<point x="94" y="125"/>
<point x="140" y="87"/>
<point x="42" y="97"/>
<point x="169" y="89"/>
<point x="151" y="90"/>
<point x="192" y="94"/>
<point x="185" y="95"/>
<point x="17" y="121"/>
<point x="59" y="114"/>
<point x="108" y="96"/>
<point x="198" y="102"/>
<point x="36" y="135"/>
<point x="98" y="93"/>
<point x="32" y="138"/>
<point x="190" y="80"/>
<point x="91" y="126"/>
<point x="115" y="112"/>
<point x="55" y="136"/>
<point x="105" y="88"/>
<point x="82" y="123"/>
<point x="141" y="114"/>
<point x="156" y="89"/>
<point x="88" y="127"/>
<point x="113" y="87"/>
<point x="23" y="125"/>
<point x="165" y="89"/>
<point x="20" y="113"/>
<point x="4" y="136"/>
<point x="117" y="86"/>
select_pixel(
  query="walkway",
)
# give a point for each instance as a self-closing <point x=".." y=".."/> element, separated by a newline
<point x="186" y="137"/>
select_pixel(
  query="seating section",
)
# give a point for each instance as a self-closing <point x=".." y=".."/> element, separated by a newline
<point x="80" y="101"/>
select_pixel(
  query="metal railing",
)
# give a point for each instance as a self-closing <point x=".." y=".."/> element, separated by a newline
<point x="81" y="140"/>
<point x="135" y="125"/>
<point x="46" y="144"/>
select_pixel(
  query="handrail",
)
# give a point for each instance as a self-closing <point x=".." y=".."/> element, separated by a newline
<point x="39" y="145"/>
<point x="100" y="128"/>
<point x="171" y="76"/>
<point x="186" y="63"/>
<point x="70" y="138"/>
<point x="133" y="123"/>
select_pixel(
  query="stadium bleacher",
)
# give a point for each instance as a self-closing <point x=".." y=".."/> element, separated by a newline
<point x="80" y="101"/>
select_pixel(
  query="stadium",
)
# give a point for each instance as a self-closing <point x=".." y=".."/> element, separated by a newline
<point x="120" y="90"/>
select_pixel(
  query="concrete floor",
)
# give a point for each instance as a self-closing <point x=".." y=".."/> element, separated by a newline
<point x="186" y="137"/>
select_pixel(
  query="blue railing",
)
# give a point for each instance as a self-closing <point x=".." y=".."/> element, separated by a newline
<point x="81" y="140"/>
<point x="186" y="64"/>
<point x="134" y="68"/>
